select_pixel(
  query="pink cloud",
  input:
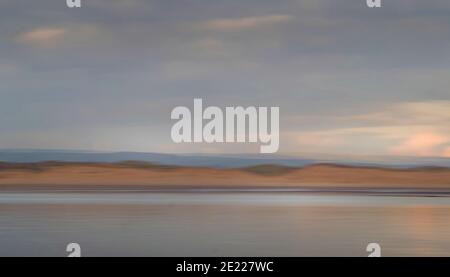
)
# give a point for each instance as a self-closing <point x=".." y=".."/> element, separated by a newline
<point x="43" y="36"/>
<point x="422" y="144"/>
<point x="446" y="152"/>
<point x="239" y="24"/>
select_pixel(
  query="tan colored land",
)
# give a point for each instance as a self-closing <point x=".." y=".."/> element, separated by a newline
<point x="149" y="176"/>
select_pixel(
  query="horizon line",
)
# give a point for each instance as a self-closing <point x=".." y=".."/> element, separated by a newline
<point x="259" y="155"/>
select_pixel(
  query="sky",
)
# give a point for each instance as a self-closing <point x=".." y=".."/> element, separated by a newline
<point x="348" y="79"/>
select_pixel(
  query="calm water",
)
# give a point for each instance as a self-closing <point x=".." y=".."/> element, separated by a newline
<point x="223" y="224"/>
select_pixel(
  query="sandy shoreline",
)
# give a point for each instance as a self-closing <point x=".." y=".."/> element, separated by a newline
<point x="134" y="175"/>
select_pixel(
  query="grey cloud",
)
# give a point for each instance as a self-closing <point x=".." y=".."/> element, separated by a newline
<point x="127" y="63"/>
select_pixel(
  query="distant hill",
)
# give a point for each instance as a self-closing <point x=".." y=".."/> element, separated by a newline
<point x="34" y="156"/>
<point x="142" y="176"/>
<point x="217" y="161"/>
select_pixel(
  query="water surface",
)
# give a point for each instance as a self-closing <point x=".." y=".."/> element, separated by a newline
<point x="217" y="223"/>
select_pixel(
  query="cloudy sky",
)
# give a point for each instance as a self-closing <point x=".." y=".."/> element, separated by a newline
<point x="348" y="79"/>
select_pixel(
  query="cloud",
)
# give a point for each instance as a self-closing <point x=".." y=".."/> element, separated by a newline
<point x="210" y="45"/>
<point x="78" y="38"/>
<point x="410" y="113"/>
<point x="318" y="138"/>
<point x="406" y="129"/>
<point x="244" y="23"/>
<point x="43" y="37"/>
<point x="402" y="141"/>
<point x="446" y="152"/>
<point x="422" y="144"/>
<point x="189" y="70"/>
<point x="346" y="79"/>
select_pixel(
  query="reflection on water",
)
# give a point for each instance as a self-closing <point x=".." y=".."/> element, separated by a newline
<point x="222" y="224"/>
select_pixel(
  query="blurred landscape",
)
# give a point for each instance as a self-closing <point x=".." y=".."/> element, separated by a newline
<point x="146" y="204"/>
<point x="21" y="169"/>
<point x="364" y="128"/>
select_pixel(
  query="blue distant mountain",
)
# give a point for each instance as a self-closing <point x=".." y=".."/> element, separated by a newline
<point x="220" y="161"/>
